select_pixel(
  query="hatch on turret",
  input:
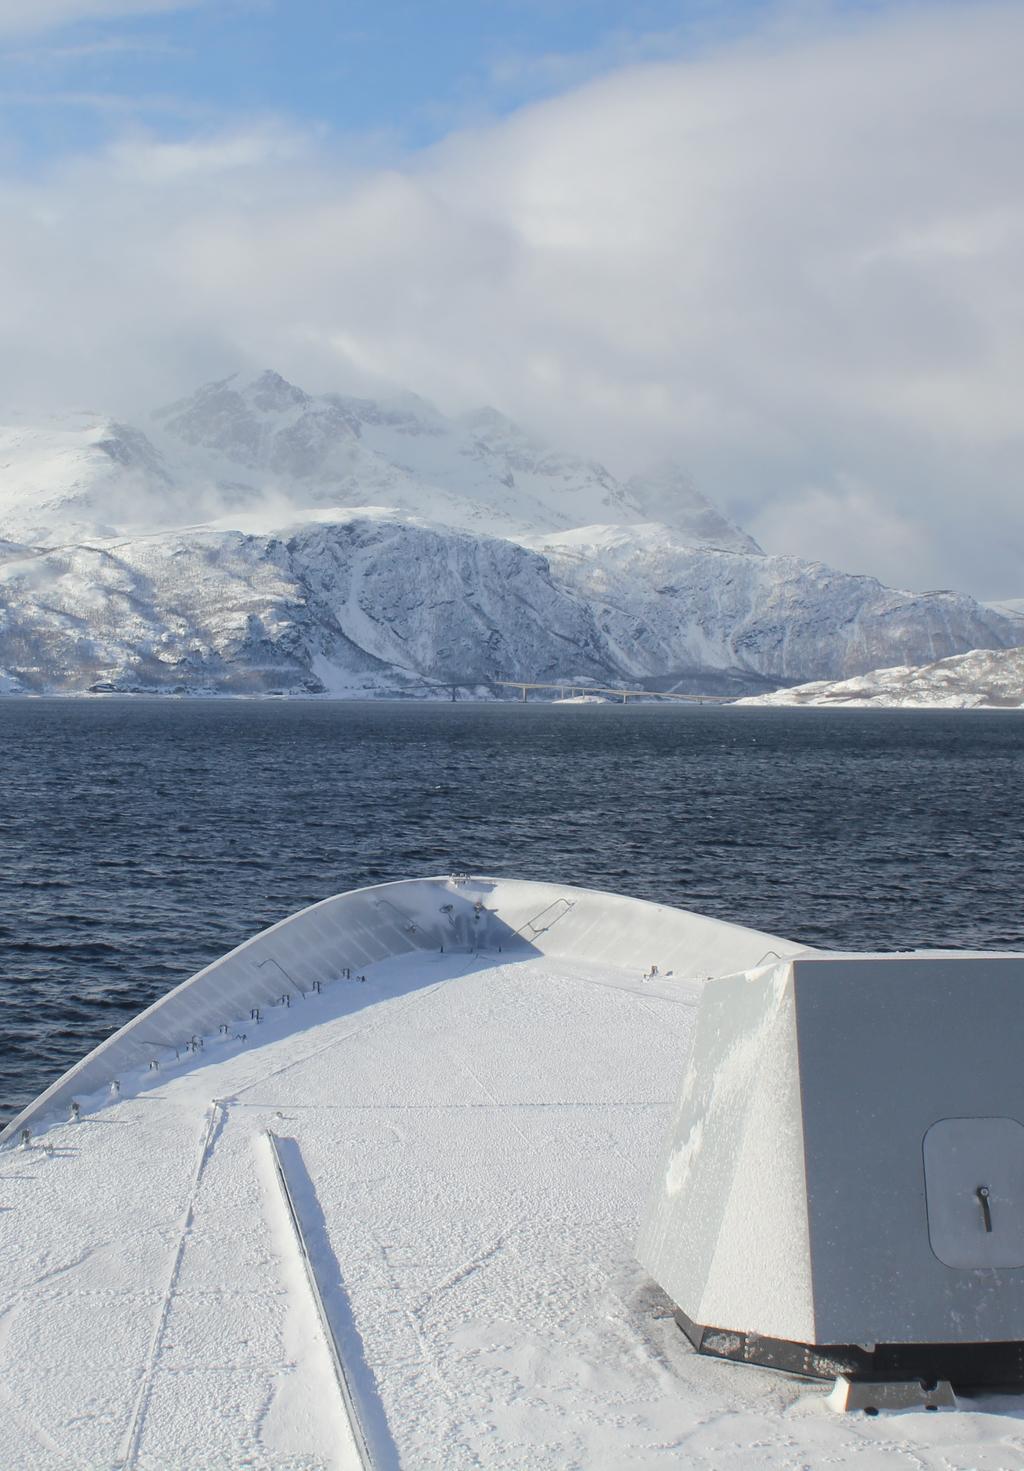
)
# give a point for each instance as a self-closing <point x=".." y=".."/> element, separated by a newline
<point x="974" y="1185"/>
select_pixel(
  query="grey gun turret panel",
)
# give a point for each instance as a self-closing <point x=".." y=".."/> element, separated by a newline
<point x="793" y="1199"/>
<point x="887" y="1048"/>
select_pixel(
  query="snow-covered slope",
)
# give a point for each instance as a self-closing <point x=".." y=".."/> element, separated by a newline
<point x="983" y="677"/>
<point x="663" y="605"/>
<point x="1013" y="607"/>
<point x="80" y="474"/>
<point x="262" y="538"/>
<point x="667" y="495"/>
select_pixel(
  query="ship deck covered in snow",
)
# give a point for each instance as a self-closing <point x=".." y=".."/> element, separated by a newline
<point x="366" y="1193"/>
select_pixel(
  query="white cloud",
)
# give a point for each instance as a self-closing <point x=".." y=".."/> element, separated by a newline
<point x="849" y="515"/>
<point x="799" y="266"/>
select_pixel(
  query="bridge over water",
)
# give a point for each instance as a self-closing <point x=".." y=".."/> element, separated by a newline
<point x="569" y="689"/>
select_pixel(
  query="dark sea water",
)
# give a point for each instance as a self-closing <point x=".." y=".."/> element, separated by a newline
<point x="141" y="839"/>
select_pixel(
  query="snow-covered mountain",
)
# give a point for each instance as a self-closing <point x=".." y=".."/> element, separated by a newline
<point x="232" y="448"/>
<point x="981" y="678"/>
<point x="260" y="538"/>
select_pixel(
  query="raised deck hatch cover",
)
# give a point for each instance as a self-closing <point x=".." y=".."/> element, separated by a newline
<point x="974" y="1182"/>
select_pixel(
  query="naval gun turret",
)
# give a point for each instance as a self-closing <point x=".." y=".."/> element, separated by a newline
<point x="842" y="1189"/>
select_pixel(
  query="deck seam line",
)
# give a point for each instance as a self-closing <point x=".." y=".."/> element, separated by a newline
<point x="138" y="1420"/>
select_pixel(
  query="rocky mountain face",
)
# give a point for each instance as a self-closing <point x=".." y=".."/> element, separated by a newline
<point x="984" y="678"/>
<point x="662" y="604"/>
<point x="257" y="538"/>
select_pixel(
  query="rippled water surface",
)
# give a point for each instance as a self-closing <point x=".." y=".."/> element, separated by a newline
<point x="140" y="840"/>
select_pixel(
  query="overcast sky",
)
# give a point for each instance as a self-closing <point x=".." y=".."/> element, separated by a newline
<point x="782" y="243"/>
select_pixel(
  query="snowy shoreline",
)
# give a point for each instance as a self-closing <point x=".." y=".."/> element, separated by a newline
<point x="492" y="701"/>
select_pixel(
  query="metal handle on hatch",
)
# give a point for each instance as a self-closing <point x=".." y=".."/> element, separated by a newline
<point x="982" y="1193"/>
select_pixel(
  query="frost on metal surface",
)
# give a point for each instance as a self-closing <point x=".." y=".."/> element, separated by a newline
<point x="725" y="1227"/>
